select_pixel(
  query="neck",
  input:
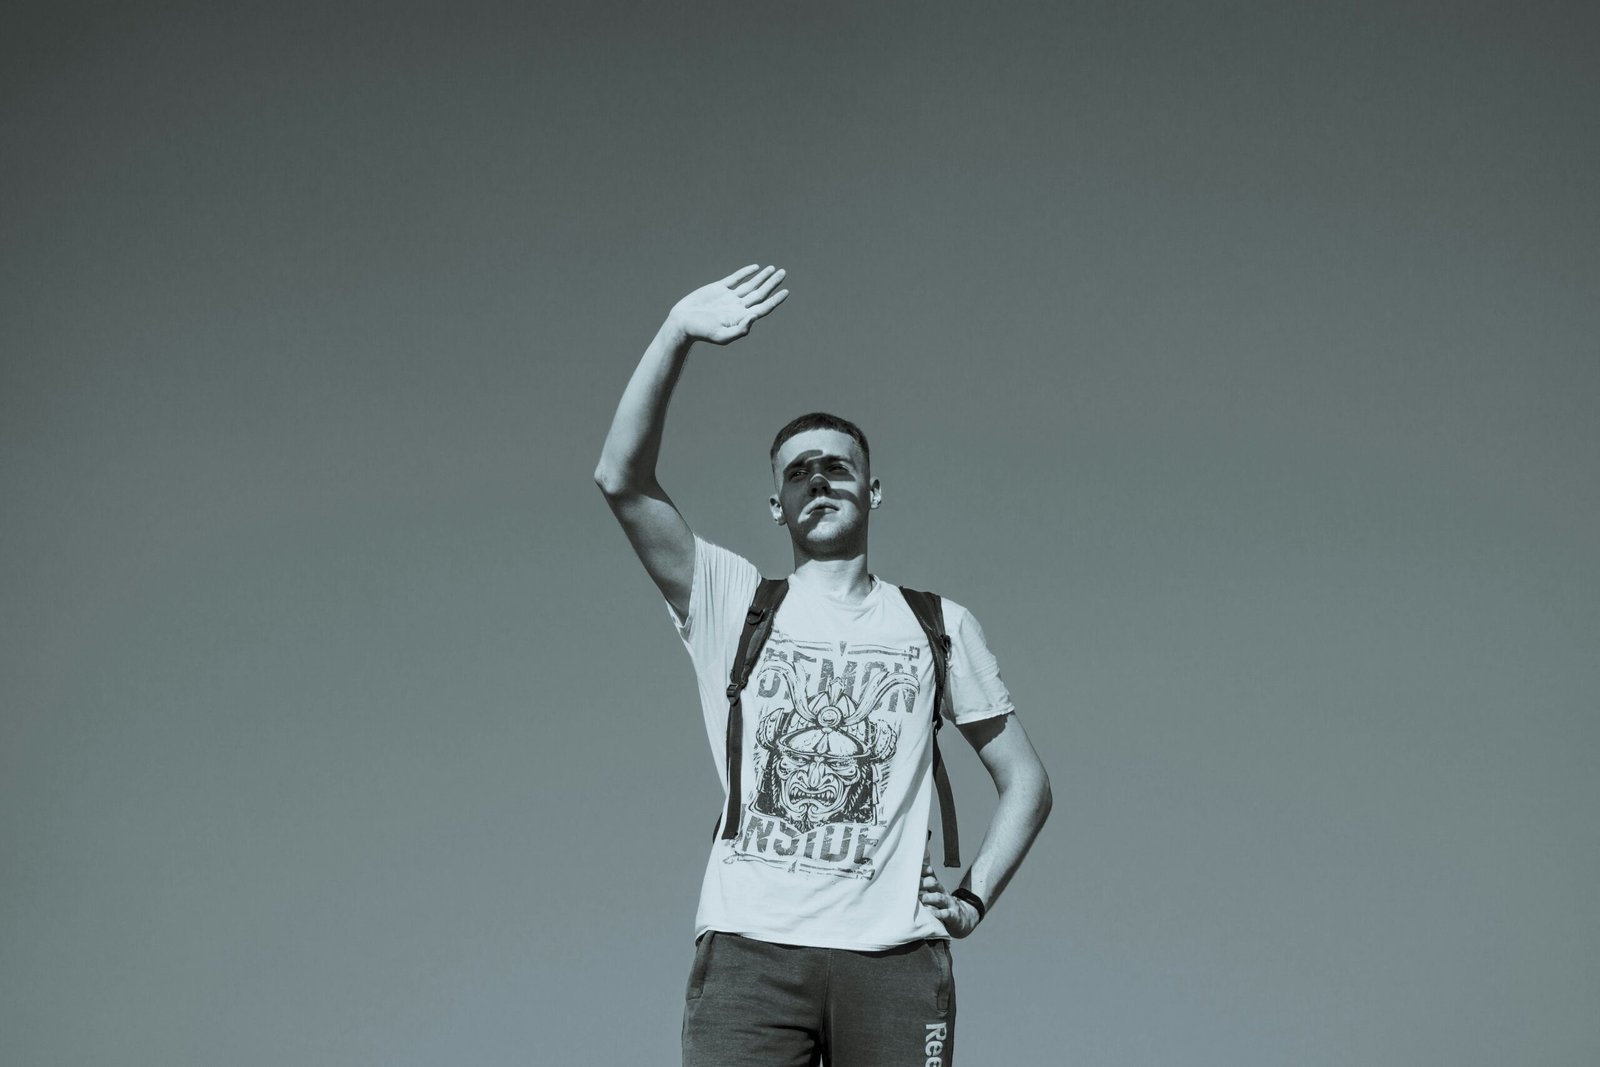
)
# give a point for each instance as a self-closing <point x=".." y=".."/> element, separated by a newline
<point x="845" y="579"/>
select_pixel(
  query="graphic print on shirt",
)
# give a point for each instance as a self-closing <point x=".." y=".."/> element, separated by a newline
<point x="829" y="723"/>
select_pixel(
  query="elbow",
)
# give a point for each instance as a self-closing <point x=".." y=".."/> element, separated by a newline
<point x="1043" y="799"/>
<point x="611" y="480"/>
<point x="1028" y="796"/>
<point x="617" y="482"/>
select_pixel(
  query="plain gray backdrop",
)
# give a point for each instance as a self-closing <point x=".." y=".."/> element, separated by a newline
<point x="1235" y="363"/>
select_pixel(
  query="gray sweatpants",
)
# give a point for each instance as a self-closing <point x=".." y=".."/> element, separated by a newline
<point x="756" y="1004"/>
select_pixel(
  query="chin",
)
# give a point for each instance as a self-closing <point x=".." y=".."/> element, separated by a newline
<point x="834" y="542"/>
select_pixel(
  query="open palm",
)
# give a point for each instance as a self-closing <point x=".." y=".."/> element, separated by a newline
<point x="724" y="310"/>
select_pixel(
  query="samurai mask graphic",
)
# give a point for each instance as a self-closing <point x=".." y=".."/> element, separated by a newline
<point x="826" y="760"/>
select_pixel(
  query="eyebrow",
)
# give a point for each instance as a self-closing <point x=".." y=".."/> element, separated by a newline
<point x="803" y="461"/>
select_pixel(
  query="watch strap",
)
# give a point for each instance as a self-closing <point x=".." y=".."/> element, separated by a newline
<point x="963" y="893"/>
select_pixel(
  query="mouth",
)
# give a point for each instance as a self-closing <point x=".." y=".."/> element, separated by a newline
<point x="817" y="508"/>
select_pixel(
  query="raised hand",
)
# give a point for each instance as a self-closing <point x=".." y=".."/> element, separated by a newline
<point x="724" y="310"/>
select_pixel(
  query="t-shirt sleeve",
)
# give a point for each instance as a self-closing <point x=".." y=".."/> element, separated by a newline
<point x="976" y="689"/>
<point x="724" y="583"/>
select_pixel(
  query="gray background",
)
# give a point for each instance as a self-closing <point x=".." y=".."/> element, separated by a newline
<point x="1235" y="363"/>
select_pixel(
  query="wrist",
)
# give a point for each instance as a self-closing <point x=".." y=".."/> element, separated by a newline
<point x="674" y="334"/>
<point x="974" y="901"/>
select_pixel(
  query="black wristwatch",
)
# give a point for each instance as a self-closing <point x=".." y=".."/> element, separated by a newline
<point x="963" y="893"/>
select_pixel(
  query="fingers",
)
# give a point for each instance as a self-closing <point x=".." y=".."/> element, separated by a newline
<point x="768" y="304"/>
<point x="749" y="285"/>
<point x="932" y="893"/>
<point x="733" y="278"/>
<point x="762" y="291"/>
<point x="753" y="286"/>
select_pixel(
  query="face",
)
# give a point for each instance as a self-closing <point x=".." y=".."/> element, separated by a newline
<point x="824" y="492"/>
<point x="815" y="786"/>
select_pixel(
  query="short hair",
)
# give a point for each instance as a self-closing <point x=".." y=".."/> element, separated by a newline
<point x="820" y="420"/>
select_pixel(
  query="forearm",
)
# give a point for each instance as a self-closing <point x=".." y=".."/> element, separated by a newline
<point x="718" y="312"/>
<point x="628" y="459"/>
<point x="1023" y="806"/>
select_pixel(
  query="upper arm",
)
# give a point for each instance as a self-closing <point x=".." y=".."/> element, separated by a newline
<point x="1006" y="753"/>
<point x="660" y="538"/>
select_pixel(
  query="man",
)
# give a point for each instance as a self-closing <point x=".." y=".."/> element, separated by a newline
<point x="822" y="932"/>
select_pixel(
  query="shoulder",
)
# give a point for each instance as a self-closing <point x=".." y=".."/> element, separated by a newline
<point x="956" y="616"/>
<point x="722" y="585"/>
<point x="713" y="558"/>
<point x="967" y="638"/>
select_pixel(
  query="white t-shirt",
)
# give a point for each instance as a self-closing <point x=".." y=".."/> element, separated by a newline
<point x="838" y="757"/>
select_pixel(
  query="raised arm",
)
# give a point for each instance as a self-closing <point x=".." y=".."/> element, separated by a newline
<point x="720" y="312"/>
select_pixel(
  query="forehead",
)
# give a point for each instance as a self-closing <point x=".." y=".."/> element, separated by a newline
<point x="818" y="442"/>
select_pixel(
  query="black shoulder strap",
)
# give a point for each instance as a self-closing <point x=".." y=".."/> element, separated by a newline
<point x="757" y="627"/>
<point x="929" y="610"/>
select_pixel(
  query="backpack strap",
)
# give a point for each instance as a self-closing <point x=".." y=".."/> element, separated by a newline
<point x="929" y="610"/>
<point x="757" y="627"/>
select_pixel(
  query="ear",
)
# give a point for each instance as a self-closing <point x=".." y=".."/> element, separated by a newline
<point x="874" y="494"/>
<point x="777" y="509"/>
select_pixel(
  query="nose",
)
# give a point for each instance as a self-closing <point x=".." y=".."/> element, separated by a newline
<point x="814" y="775"/>
<point x="818" y="482"/>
